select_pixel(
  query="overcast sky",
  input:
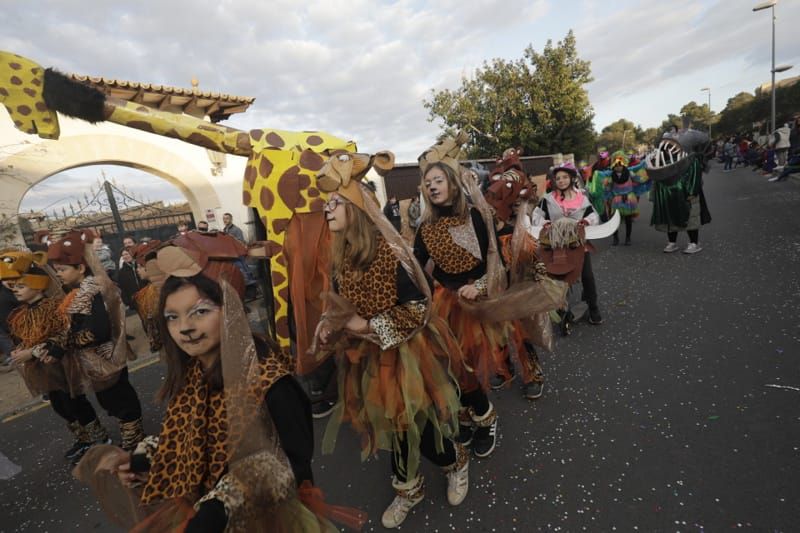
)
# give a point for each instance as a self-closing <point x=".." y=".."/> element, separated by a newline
<point x="361" y="69"/>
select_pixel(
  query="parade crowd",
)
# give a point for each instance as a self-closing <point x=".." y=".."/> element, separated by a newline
<point x="413" y="336"/>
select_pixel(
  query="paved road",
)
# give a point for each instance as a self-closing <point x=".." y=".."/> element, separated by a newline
<point x="662" y="419"/>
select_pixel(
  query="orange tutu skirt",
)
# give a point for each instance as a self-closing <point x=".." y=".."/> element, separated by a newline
<point x="483" y="344"/>
<point x="388" y="395"/>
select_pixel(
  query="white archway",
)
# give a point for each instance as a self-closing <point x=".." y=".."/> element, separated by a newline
<point x="26" y="160"/>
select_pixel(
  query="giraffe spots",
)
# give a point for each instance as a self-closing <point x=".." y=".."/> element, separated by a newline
<point x="275" y="140"/>
<point x="18" y="123"/>
<point x="289" y="185"/>
<point x="207" y="127"/>
<point x="318" y="204"/>
<point x="3" y="92"/>
<point x="142" y="109"/>
<point x="282" y="327"/>
<point x="15" y="66"/>
<point x="201" y="140"/>
<point x="47" y="120"/>
<point x="36" y="81"/>
<point x="40" y="106"/>
<point x="141" y="125"/>
<point x="301" y="202"/>
<point x="278" y="279"/>
<point x="311" y="160"/>
<point x="267" y="199"/>
<point x="265" y="167"/>
<point x="15" y="80"/>
<point x="312" y="192"/>
<point x="250" y="174"/>
<point x="24" y="110"/>
<point x="279" y="225"/>
<point x="30" y="92"/>
<point x="314" y="140"/>
<point x="246" y="198"/>
<point x="256" y="135"/>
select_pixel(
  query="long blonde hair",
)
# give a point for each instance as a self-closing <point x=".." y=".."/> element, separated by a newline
<point x="356" y="244"/>
<point x="456" y="192"/>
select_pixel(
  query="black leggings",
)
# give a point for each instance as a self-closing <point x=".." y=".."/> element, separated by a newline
<point x="120" y="400"/>
<point x="72" y="409"/>
<point x="476" y="399"/>
<point x="427" y="448"/>
<point x="587" y="280"/>
<point x="628" y="227"/>
<point x="694" y="235"/>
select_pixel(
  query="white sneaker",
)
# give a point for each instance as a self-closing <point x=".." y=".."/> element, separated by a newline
<point x="775" y="178"/>
<point x="408" y="495"/>
<point x="458" y="477"/>
<point x="692" y="248"/>
<point x="671" y="247"/>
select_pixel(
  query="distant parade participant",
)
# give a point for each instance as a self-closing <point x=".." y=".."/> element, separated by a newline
<point x="398" y="364"/>
<point x="466" y="265"/>
<point x="96" y="332"/>
<point x="38" y="327"/>
<point x="678" y="200"/>
<point x="622" y="187"/>
<point x="566" y="200"/>
<point x="146" y="298"/>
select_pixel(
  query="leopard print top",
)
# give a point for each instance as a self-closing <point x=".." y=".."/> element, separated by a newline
<point x="193" y="446"/>
<point x="446" y="254"/>
<point x="375" y="290"/>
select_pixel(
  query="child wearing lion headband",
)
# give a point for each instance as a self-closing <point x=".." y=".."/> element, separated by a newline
<point x="398" y="365"/>
<point x="38" y="327"/>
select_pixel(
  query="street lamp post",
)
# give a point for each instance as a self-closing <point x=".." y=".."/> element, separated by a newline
<point x="709" y="109"/>
<point x="770" y="4"/>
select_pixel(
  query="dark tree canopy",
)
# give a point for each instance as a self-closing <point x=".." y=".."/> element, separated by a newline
<point x="538" y="102"/>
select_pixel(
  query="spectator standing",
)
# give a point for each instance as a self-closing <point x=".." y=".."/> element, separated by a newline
<point x="202" y="226"/>
<point x="103" y="253"/>
<point x="392" y="211"/>
<point x="729" y="152"/>
<point x="230" y="228"/>
<point x="782" y="143"/>
<point x="413" y="214"/>
<point x="128" y="243"/>
<point x="794" y="137"/>
<point x="128" y="279"/>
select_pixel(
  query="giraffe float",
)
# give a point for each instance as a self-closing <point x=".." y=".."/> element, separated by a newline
<point x="279" y="179"/>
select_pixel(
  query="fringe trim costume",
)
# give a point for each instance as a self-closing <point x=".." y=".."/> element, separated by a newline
<point x="40" y="326"/>
<point x="97" y="335"/>
<point x="458" y="248"/>
<point x="398" y="381"/>
<point x="622" y="191"/>
<point x="238" y="457"/>
<point x="146" y="300"/>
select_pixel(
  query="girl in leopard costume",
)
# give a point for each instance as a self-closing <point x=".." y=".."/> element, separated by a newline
<point x="235" y="448"/>
<point x="456" y="238"/>
<point x="398" y="365"/>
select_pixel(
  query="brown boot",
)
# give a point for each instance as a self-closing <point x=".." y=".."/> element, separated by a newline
<point x="132" y="434"/>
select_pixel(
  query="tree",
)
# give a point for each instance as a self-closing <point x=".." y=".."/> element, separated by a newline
<point x="620" y="135"/>
<point x="700" y="116"/>
<point x="537" y="102"/>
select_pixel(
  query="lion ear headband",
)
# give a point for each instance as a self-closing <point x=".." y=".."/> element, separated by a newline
<point x="343" y="172"/>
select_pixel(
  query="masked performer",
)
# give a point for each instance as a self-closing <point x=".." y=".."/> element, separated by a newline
<point x="146" y="298"/>
<point x="508" y="197"/>
<point x="622" y="187"/>
<point x="467" y="266"/>
<point x="235" y="448"/>
<point x="676" y="167"/>
<point x="567" y="201"/>
<point x="398" y="365"/>
<point x="97" y="331"/>
<point x="38" y="326"/>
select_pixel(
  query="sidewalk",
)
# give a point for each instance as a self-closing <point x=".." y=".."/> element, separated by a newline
<point x="15" y="397"/>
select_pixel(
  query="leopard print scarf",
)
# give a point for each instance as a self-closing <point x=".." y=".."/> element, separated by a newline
<point x="194" y="444"/>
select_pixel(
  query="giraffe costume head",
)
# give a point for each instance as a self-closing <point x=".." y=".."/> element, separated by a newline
<point x="279" y="180"/>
